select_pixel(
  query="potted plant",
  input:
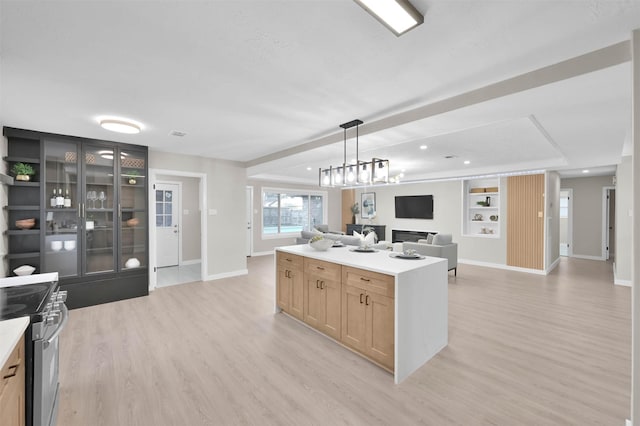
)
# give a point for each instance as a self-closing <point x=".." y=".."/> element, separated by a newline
<point x="23" y="171"/>
<point x="355" y="209"/>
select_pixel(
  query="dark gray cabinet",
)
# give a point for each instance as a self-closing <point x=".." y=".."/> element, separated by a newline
<point x="91" y="210"/>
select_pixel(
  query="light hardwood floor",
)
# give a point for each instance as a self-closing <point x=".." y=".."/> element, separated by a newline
<point x="523" y="350"/>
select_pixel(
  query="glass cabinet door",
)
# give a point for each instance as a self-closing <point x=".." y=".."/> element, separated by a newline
<point x="133" y="210"/>
<point x="62" y="215"/>
<point x="98" y="197"/>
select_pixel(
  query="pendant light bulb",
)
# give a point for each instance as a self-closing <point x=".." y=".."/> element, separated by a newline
<point x="350" y="175"/>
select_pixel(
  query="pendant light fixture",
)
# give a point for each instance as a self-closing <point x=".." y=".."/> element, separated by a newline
<point x="371" y="172"/>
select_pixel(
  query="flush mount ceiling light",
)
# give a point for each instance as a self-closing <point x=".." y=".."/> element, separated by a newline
<point x="398" y="15"/>
<point x="371" y="172"/>
<point x="120" y="125"/>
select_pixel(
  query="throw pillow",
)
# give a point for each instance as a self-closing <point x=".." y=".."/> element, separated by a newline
<point x="430" y="238"/>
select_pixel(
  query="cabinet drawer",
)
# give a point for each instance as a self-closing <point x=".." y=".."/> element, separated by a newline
<point x="370" y="281"/>
<point x="290" y="260"/>
<point x="322" y="269"/>
<point x="9" y="368"/>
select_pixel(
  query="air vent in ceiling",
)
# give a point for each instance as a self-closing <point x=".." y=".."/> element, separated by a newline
<point x="449" y="157"/>
<point x="177" y="133"/>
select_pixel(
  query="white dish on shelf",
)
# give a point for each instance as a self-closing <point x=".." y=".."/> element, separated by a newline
<point x="69" y="245"/>
<point x="56" y="245"/>
<point x="24" y="270"/>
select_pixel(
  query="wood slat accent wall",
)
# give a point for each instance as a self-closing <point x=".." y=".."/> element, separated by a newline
<point x="348" y="199"/>
<point x="525" y="221"/>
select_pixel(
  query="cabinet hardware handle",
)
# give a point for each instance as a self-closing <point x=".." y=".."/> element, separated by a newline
<point x="321" y="285"/>
<point x="366" y="300"/>
<point x="320" y="267"/>
<point x="287" y="259"/>
<point x="15" y="371"/>
<point x="79" y="212"/>
<point x="286" y="273"/>
<point x="361" y="297"/>
<point x="317" y="283"/>
<point x="365" y="279"/>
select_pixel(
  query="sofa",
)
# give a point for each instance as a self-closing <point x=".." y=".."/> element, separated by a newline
<point x="438" y="245"/>
<point x="348" y="240"/>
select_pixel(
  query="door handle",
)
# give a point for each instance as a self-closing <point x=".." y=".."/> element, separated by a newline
<point x="15" y="371"/>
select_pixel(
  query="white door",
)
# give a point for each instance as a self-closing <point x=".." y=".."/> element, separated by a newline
<point x="167" y="224"/>
<point x="249" y="220"/>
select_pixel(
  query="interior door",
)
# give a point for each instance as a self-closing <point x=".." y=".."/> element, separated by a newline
<point x="167" y="224"/>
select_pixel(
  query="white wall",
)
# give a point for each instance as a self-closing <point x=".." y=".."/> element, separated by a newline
<point x="190" y="226"/>
<point x="552" y="215"/>
<point x="260" y="245"/>
<point x="587" y="214"/>
<point x="624" y="187"/>
<point x="447" y="217"/>
<point x="226" y="182"/>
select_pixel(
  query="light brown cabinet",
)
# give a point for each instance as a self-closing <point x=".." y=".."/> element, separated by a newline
<point x="290" y="284"/>
<point x="322" y="296"/>
<point x="12" y="388"/>
<point x="368" y="314"/>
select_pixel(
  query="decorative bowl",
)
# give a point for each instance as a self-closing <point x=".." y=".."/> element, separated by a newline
<point x="24" y="270"/>
<point x="321" y="245"/>
<point x="56" y="245"/>
<point x="133" y="222"/>
<point x="26" y="223"/>
<point x="69" y="245"/>
<point x="132" y="263"/>
<point x="493" y="217"/>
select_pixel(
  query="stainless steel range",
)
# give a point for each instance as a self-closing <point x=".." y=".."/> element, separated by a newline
<point x="38" y="297"/>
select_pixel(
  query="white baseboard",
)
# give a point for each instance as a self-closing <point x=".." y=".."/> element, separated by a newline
<point x="227" y="275"/>
<point x="584" y="256"/>
<point x="190" y="262"/>
<point x="262" y="253"/>
<point x="553" y="266"/>
<point x="502" y="266"/>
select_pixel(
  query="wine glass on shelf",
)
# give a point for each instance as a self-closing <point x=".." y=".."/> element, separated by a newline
<point x="91" y="196"/>
<point x="102" y="197"/>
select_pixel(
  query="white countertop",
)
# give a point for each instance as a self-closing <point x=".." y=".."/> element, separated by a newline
<point x="10" y="332"/>
<point x="379" y="261"/>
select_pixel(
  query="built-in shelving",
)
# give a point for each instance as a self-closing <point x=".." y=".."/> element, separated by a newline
<point x="481" y="208"/>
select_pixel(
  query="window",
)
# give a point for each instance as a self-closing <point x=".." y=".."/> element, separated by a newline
<point x="286" y="212"/>
<point x="564" y="207"/>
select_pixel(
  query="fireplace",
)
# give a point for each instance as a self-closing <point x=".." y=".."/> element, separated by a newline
<point x="400" y="236"/>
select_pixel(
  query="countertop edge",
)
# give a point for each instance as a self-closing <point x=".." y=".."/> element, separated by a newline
<point x="10" y="332"/>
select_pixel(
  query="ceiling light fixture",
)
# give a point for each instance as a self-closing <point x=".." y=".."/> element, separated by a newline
<point x="467" y="162"/>
<point x="397" y="15"/>
<point x="585" y="171"/>
<point x="371" y="172"/>
<point x="423" y="147"/>
<point x="121" y="126"/>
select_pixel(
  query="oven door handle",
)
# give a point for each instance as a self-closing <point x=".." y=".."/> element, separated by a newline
<point x="65" y="317"/>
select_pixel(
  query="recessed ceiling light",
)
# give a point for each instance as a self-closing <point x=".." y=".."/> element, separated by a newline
<point x="309" y="168"/>
<point x="398" y="15"/>
<point x="467" y="162"/>
<point x="120" y="125"/>
<point x="403" y="170"/>
<point x="585" y="171"/>
<point x="423" y="147"/>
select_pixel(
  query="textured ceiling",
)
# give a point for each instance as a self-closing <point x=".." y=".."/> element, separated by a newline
<point x="245" y="79"/>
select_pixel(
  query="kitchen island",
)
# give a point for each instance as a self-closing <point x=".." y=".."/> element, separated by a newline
<point x="392" y="311"/>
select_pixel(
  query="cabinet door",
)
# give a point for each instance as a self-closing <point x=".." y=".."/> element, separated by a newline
<point x="283" y="289"/>
<point x="133" y="210"/>
<point x="380" y="328"/>
<point x="353" y="317"/>
<point x="296" y="299"/>
<point x="313" y="303"/>
<point x="99" y="193"/>
<point x="62" y="247"/>
<point x="332" y="310"/>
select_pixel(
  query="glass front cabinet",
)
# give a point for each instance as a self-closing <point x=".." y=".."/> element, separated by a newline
<point x="93" y="216"/>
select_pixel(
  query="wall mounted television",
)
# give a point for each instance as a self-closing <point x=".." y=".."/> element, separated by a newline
<point x="414" y="207"/>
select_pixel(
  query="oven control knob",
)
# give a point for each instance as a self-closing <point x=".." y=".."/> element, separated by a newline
<point x="52" y="318"/>
<point x="62" y="296"/>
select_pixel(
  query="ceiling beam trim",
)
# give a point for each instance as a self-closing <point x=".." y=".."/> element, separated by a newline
<point x="593" y="61"/>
